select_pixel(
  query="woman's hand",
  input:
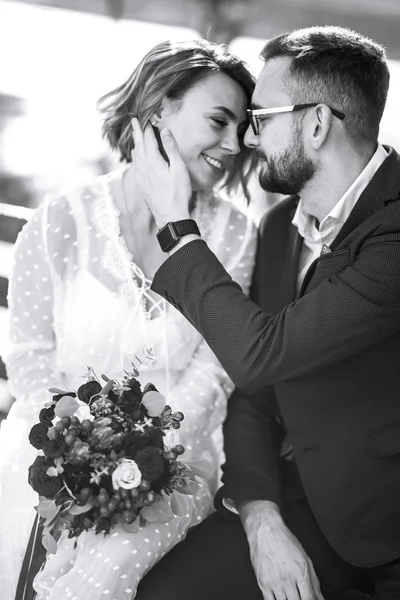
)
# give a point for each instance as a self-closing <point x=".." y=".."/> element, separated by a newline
<point x="166" y="188"/>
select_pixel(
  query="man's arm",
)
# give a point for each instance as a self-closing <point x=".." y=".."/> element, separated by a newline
<point x="345" y="314"/>
<point x="253" y="437"/>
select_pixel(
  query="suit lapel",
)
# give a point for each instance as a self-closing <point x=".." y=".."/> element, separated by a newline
<point x="280" y="247"/>
<point x="383" y="187"/>
<point x="295" y="243"/>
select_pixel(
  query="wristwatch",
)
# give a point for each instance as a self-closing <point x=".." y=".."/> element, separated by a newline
<point x="169" y="235"/>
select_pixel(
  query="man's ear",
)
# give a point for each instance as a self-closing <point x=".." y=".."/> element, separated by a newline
<point x="321" y="125"/>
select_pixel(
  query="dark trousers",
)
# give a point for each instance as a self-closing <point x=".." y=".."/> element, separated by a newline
<point x="213" y="563"/>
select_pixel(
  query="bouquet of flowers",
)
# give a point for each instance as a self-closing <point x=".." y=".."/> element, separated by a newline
<point x="109" y="453"/>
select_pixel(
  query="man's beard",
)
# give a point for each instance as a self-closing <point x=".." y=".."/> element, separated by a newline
<point x="288" y="173"/>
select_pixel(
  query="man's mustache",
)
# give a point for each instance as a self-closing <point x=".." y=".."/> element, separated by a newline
<point x="260" y="156"/>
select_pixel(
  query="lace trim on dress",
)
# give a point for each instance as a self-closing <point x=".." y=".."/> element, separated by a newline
<point x="116" y="259"/>
<point x="210" y="214"/>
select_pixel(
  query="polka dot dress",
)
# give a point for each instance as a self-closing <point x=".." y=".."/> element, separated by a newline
<point x="77" y="298"/>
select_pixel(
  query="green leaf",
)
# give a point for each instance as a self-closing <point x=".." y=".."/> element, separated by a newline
<point x="165" y="510"/>
<point x="151" y="513"/>
<point x="78" y="509"/>
<point x="179" y="505"/>
<point x="132" y="527"/>
<point x="66" y="407"/>
<point x="47" y="509"/>
<point x="190" y="488"/>
<point x="108" y="387"/>
<point x="49" y="542"/>
<point x="54" y="390"/>
<point x="201" y="467"/>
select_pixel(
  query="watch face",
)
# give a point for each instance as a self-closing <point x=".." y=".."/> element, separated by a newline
<point x="167" y="237"/>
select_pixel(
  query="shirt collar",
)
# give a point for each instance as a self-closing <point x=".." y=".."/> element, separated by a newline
<point x="305" y="223"/>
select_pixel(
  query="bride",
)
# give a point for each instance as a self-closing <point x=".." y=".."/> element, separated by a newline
<point x="79" y="295"/>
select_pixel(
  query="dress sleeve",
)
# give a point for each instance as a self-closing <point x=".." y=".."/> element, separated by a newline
<point x="37" y="268"/>
<point x="29" y="355"/>
<point x="204" y="388"/>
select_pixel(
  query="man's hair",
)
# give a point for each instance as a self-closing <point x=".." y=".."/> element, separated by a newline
<point x="169" y="70"/>
<point x="339" y="67"/>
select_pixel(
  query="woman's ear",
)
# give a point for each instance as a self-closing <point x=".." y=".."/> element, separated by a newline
<point x="166" y="109"/>
<point x="156" y="117"/>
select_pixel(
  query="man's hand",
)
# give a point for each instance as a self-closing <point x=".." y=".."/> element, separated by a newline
<point x="165" y="188"/>
<point x="283" y="569"/>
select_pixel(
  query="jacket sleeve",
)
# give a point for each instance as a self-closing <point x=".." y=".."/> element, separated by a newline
<point x="205" y="387"/>
<point x="253" y="435"/>
<point x="353" y="309"/>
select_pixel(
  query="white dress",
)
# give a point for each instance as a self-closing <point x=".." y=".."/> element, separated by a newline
<point x="76" y="299"/>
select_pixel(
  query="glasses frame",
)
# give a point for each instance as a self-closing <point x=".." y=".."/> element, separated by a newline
<point x="253" y="113"/>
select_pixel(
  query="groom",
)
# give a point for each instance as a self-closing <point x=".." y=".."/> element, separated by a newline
<point x="312" y="437"/>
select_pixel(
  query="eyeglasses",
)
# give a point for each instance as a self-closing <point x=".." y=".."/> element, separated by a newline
<point x="255" y="113"/>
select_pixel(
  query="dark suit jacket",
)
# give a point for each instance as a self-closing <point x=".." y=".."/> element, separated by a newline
<point x="333" y="357"/>
<point x="254" y="431"/>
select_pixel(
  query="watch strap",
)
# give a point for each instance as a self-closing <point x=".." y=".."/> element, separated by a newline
<point x="169" y="235"/>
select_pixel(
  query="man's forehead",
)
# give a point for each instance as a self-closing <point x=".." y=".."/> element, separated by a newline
<point x="270" y="82"/>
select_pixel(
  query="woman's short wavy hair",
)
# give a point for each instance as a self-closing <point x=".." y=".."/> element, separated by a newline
<point x="169" y="70"/>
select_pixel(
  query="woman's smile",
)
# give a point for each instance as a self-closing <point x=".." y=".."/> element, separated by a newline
<point x="214" y="163"/>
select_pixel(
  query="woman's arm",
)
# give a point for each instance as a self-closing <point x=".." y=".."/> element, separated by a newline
<point x="30" y="349"/>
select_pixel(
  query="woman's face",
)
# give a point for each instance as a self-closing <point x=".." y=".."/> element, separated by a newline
<point x="205" y="124"/>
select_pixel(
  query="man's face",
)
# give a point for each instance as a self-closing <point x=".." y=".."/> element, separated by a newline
<point x="284" y="166"/>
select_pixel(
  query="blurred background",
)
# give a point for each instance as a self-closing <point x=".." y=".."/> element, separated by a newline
<point x="59" y="56"/>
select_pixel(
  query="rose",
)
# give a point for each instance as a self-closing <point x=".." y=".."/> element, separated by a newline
<point x="135" y="388"/>
<point x="127" y="475"/>
<point x="38" y="435"/>
<point x="150" y="463"/>
<point x="43" y="484"/>
<point x="88" y="390"/>
<point x="136" y="441"/>
<point x="46" y="415"/>
<point x="154" y="403"/>
<point x="131" y="397"/>
<point x="53" y="448"/>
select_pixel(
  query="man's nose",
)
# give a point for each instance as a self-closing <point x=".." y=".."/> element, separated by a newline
<point x="250" y="139"/>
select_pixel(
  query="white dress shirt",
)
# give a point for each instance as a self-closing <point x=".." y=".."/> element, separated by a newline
<point x="318" y="240"/>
